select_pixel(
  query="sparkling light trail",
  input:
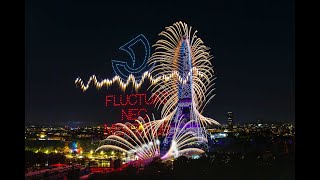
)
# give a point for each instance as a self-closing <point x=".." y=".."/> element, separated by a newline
<point x="143" y="144"/>
<point x="131" y="79"/>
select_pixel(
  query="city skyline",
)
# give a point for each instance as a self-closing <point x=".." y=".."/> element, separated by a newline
<point x="254" y="63"/>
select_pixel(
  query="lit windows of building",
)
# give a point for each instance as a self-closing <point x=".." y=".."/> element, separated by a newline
<point x="230" y="120"/>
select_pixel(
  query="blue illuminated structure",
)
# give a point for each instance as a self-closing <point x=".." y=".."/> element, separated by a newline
<point x="124" y="69"/>
<point x="218" y="135"/>
<point x="74" y="147"/>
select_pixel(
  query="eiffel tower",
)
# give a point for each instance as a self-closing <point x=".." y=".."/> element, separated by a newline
<point x="184" y="107"/>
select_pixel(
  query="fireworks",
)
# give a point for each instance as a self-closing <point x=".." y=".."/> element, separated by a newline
<point x="131" y="79"/>
<point x="186" y="137"/>
<point x="168" y="58"/>
<point x="139" y="143"/>
<point x="182" y="77"/>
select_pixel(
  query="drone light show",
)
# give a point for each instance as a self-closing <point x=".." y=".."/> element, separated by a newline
<point x="181" y="82"/>
<point x="132" y="105"/>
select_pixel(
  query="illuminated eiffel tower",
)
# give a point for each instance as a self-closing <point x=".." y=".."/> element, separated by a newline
<point x="184" y="109"/>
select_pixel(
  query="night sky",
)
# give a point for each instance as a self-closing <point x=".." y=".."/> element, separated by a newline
<point x="252" y="42"/>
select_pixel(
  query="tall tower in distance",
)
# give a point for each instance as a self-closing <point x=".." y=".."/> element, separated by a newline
<point x="184" y="106"/>
<point x="230" y="120"/>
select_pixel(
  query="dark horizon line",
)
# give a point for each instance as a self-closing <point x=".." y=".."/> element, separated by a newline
<point x="86" y="124"/>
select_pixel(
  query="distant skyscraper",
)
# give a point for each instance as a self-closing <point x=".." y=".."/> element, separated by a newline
<point x="230" y="120"/>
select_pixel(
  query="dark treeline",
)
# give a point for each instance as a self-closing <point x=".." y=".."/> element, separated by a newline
<point x="34" y="160"/>
<point x="224" y="166"/>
